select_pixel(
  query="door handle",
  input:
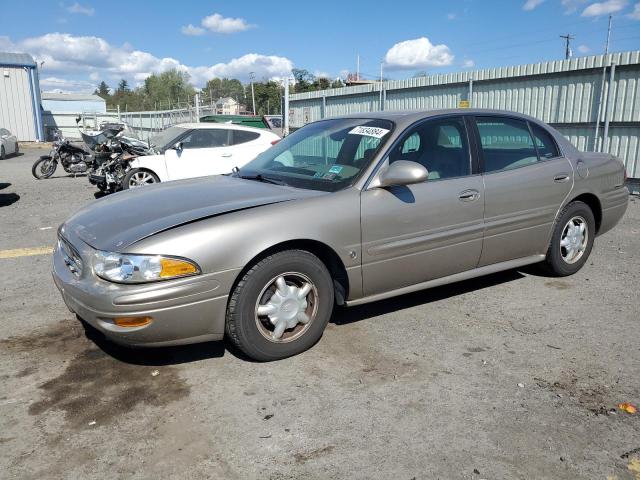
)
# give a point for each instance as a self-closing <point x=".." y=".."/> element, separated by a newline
<point x="561" y="178"/>
<point x="226" y="155"/>
<point x="469" y="195"/>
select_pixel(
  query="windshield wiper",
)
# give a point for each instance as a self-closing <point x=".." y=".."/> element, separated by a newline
<point x="261" y="178"/>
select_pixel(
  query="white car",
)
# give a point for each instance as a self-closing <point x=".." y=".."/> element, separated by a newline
<point x="8" y="143"/>
<point x="196" y="150"/>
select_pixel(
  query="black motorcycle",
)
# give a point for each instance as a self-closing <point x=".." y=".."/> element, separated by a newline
<point x="73" y="158"/>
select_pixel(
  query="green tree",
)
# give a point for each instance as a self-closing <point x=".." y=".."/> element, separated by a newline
<point x="123" y="86"/>
<point x="268" y="95"/>
<point x="224" y="87"/>
<point x="303" y="79"/>
<point x="103" y="90"/>
<point x="167" y="88"/>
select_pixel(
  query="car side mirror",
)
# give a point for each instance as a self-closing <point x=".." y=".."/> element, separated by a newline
<point x="400" y="172"/>
<point x="177" y="146"/>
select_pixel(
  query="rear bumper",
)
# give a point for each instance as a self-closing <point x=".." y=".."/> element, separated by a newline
<point x="614" y="206"/>
<point x="183" y="311"/>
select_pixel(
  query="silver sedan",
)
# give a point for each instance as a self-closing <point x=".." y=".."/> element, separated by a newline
<point x="342" y="212"/>
<point x="8" y="143"/>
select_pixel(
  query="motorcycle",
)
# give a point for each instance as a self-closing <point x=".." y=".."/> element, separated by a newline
<point x="74" y="159"/>
<point x="112" y="159"/>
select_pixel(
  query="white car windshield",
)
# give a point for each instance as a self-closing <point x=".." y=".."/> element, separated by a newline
<point x="167" y="137"/>
<point x="328" y="155"/>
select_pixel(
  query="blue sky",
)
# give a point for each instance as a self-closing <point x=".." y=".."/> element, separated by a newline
<point x="87" y="41"/>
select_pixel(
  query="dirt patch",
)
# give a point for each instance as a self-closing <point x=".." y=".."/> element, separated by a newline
<point x="558" y="285"/>
<point x="94" y="386"/>
<point x="303" y="457"/>
<point x="591" y="396"/>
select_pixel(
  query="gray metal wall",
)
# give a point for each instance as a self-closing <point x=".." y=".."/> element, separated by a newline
<point x="563" y="93"/>
<point x="18" y="108"/>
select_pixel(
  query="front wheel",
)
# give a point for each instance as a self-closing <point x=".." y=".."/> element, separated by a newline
<point x="281" y="306"/>
<point x="137" y="177"/>
<point x="44" y="167"/>
<point x="572" y="240"/>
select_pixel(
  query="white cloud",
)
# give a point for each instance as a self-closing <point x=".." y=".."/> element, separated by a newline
<point x="468" y="63"/>
<point x="604" y="8"/>
<point x="452" y="16"/>
<point x="66" y="85"/>
<point x="216" y="23"/>
<point x="583" y="49"/>
<point x="81" y="9"/>
<point x="69" y="56"/>
<point x="635" y="15"/>
<point x="531" y="4"/>
<point x="192" y="30"/>
<point x="417" y="53"/>
<point x="571" y="6"/>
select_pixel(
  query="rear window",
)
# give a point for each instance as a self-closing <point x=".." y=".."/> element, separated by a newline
<point x="243" y="136"/>
<point x="545" y="144"/>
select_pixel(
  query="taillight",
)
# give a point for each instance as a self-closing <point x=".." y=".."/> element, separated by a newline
<point x="275" y="141"/>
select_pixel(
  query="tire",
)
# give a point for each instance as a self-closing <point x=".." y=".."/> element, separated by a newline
<point x="16" y="152"/>
<point x="44" y="168"/>
<point x="567" y="253"/>
<point x="254" y="333"/>
<point x="138" y="177"/>
<point x="2" y="154"/>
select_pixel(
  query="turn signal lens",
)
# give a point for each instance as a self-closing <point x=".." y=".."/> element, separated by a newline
<point x="172" y="267"/>
<point x="132" y="321"/>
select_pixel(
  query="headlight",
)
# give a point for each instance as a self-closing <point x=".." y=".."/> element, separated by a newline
<point x="125" y="268"/>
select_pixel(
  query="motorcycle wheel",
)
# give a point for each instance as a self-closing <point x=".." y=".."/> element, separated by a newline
<point x="44" y="167"/>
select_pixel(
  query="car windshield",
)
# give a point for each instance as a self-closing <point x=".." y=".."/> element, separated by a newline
<point x="166" y="137"/>
<point x="328" y="155"/>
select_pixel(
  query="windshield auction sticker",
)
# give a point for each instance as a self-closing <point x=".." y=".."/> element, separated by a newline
<point x="375" y="132"/>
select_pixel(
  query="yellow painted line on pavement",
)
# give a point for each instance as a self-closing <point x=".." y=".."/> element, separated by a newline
<point x="25" y="252"/>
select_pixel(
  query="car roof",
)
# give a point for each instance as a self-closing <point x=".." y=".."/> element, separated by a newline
<point x="221" y="126"/>
<point x="404" y="117"/>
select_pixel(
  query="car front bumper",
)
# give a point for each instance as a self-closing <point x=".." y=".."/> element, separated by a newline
<point x="183" y="311"/>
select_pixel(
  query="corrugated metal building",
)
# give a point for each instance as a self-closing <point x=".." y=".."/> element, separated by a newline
<point x="20" y="97"/>
<point x="564" y="93"/>
<point x="73" y="103"/>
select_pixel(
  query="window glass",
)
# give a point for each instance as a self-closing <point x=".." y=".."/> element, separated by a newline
<point x="545" y="143"/>
<point x="327" y="155"/>
<point x="243" y="136"/>
<point x="506" y="143"/>
<point x="439" y="145"/>
<point x="206" y="138"/>
<point x="4" y="132"/>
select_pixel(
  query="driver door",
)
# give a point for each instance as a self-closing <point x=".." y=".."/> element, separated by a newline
<point x="420" y="232"/>
<point x="205" y="151"/>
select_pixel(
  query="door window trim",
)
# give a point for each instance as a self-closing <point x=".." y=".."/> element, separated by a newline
<point x="473" y="158"/>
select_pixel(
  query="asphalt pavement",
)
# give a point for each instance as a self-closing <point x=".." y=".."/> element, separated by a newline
<point x="511" y="376"/>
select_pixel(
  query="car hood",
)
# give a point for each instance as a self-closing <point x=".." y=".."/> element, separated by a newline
<point x="115" y="222"/>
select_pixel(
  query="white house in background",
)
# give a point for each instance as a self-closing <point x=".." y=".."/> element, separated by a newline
<point x="227" y="106"/>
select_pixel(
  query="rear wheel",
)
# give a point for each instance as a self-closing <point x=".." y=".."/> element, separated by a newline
<point x="572" y="240"/>
<point x="17" y="150"/>
<point x="137" y="177"/>
<point x="44" y="167"/>
<point x="281" y="306"/>
<point x="2" y="154"/>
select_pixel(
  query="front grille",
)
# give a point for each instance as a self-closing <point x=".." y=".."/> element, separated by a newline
<point x="71" y="257"/>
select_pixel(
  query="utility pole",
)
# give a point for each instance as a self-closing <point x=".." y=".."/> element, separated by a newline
<point x="253" y="97"/>
<point x="596" y="139"/>
<point x="381" y="105"/>
<point x="567" y="51"/>
<point x="358" y="67"/>
<point x="285" y="108"/>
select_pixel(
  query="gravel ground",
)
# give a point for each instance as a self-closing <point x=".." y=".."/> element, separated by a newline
<point x="506" y="377"/>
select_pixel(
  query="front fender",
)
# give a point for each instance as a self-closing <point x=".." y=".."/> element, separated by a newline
<point x="154" y="163"/>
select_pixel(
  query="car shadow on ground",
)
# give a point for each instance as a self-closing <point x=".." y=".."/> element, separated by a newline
<point x="343" y="316"/>
<point x="4" y="185"/>
<point x="7" y="199"/>
<point x="161" y="356"/>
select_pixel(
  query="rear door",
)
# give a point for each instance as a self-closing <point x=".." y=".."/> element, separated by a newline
<point x="246" y="145"/>
<point x="205" y="151"/>
<point x="415" y="233"/>
<point x="526" y="180"/>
